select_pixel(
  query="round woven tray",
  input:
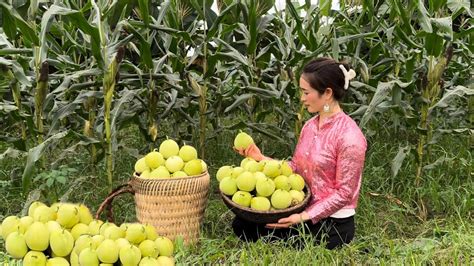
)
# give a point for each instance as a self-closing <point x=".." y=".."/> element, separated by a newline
<point x="264" y="217"/>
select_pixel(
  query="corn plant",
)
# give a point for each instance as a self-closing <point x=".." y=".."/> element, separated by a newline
<point x="235" y="69"/>
<point x="49" y="50"/>
<point x="405" y="70"/>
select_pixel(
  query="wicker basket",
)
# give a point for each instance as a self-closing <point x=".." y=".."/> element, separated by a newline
<point x="174" y="206"/>
<point x="264" y="217"/>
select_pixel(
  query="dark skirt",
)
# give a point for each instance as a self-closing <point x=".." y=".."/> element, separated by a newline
<point x="334" y="232"/>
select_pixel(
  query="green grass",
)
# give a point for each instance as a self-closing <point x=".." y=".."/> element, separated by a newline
<point x="390" y="230"/>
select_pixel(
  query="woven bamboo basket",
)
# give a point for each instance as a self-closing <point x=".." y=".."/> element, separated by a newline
<point x="174" y="206"/>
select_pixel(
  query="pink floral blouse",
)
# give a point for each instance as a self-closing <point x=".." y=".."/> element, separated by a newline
<point x="331" y="160"/>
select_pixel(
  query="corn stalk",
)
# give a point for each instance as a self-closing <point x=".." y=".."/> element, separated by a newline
<point x="431" y="92"/>
<point x="471" y="117"/>
<point x="15" y="88"/>
<point x="90" y="105"/>
<point x="152" y="108"/>
<point x="109" y="83"/>
<point x="203" y="96"/>
<point x="201" y="91"/>
<point x="110" y="72"/>
<point x="40" y="96"/>
<point x="202" y="117"/>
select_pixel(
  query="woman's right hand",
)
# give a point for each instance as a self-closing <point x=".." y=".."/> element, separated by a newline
<point x="252" y="151"/>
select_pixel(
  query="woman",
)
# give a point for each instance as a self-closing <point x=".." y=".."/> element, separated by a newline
<point x="329" y="155"/>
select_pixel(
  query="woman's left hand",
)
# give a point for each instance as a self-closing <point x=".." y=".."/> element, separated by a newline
<point x="289" y="221"/>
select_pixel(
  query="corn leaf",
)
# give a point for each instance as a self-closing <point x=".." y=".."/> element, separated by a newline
<point x="34" y="154"/>
<point x="398" y="159"/>
<point x="383" y="90"/>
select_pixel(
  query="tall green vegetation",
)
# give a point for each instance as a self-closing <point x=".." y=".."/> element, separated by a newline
<point x="77" y="73"/>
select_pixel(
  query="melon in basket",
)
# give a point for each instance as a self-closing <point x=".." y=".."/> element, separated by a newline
<point x="170" y="161"/>
<point x="260" y="210"/>
<point x="281" y="191"/>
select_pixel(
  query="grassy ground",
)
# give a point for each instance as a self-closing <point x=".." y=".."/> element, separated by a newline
<point x="390" y="229"/>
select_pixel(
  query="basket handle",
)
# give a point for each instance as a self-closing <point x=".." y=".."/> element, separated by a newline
<point x="107" y="203"/>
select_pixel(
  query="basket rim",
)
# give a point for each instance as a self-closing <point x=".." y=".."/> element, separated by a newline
<point x="137" y="177"/>
<point x="228" y="200"/>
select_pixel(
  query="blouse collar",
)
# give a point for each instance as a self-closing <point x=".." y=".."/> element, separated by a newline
<point x="330" y="120"/>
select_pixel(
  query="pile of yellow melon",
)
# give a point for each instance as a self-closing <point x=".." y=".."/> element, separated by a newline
<point x="261" y="185"/>
<point x="67" y="234"/>
<point x="170" y="161"/>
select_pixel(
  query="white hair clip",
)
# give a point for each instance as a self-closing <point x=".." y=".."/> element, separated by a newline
<point x="348" y="75"/>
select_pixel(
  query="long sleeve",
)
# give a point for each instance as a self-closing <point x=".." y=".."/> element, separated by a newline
<point x="303" y="141"/>
<point x="349" y="166"/>
<point x="294" y="159"/>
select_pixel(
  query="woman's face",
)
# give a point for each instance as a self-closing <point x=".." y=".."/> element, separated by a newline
<point x="311" y="98"/>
